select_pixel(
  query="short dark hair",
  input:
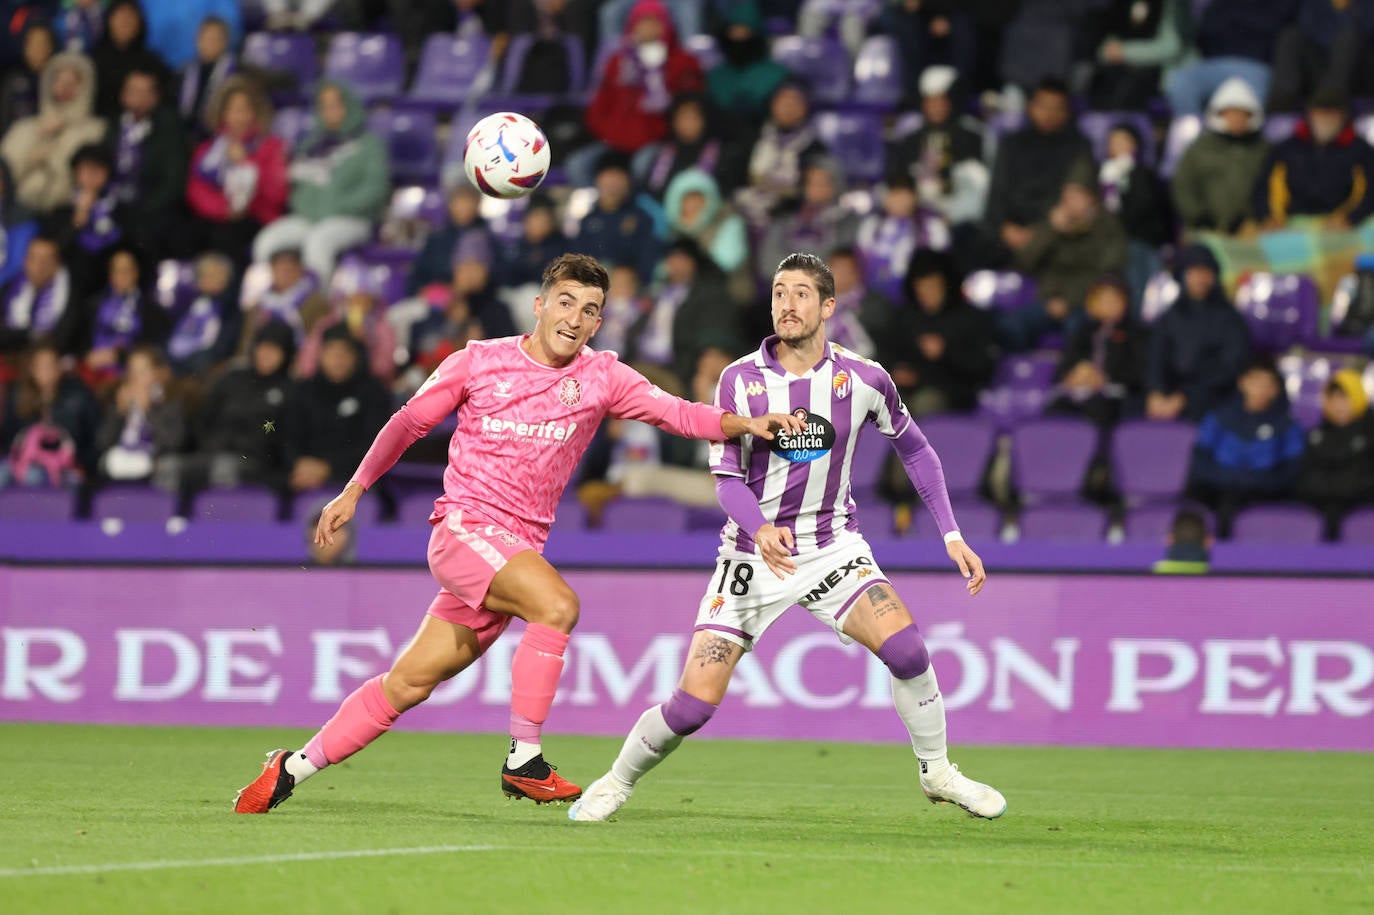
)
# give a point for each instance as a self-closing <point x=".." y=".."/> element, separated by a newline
<point x="217" y="22"/>
<point x="813" y="267"/>
<point x="1053" y="85"/>
<point x="1189" y="526"/>
<point x="579" y="268"/>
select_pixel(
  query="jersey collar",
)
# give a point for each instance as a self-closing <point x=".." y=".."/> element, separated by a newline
<point x="767" y="357"/>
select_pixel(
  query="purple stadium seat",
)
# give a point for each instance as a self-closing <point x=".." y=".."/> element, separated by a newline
<point x="254" y="504"/>
<point x="570" y="516"/>
<point x="869" y="457"/>
<point x="1049" y="457"/>
<point x="856" y="140"/>
<point x="414" y="510"/>
<point x="1149" y="524"/>
<point x="292" y="124"/>
<point x="176" y="280"/>
<point x="1279" y="127"/>
<point x="1161" y="291"/>
<point x="1357" y="528"/>
<point x="661" y="516"/>
<point x="1077" y="523"/>
<point x="1281" y="308"/>
<point x="448" y="65"/>
<point x="1150" y="459"/>
<point x="964" y="444"/>
<point x="1183" y="130"/>
<point x="879" y="81"/>
<point x="385" y="279"/>
<point x="1305" y="378"/>
<point x="1292" y="524"/>
<point x="999" y="289"/>
<point x="823" y="62"/>
<point x="519" y="49"/>
<point x="705" y="519"/>
<point x="1019" y="389"/>
<point x="290" y="52"/>
<point x="705" y="49"/>
<point x="25" y="503"/>
<point x="133" y="503"/>
<point x="306" y="505"/>
<point x="978" y="521"/>
<point x="1096" y="125"/>
<point x="409" y="138"/>
<point x="372" y="63"/>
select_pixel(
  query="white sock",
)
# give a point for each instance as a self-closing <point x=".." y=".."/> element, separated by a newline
<point x="648" y="744"/>
<point x="521" y="752"/>
<point x="922" y="708"/>
<point x="298" y="766"/>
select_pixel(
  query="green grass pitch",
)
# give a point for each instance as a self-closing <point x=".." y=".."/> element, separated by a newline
<point x="115" y="819"/>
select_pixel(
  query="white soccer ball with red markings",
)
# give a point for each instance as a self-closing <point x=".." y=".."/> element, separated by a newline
<point x="506" y="155"/>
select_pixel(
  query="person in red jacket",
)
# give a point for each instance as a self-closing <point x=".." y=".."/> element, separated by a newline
<point x="237" y="181"/>
<point x="629" y="109"/>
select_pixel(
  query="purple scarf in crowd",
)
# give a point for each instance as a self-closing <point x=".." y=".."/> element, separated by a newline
<point x="286" y="305"/>
<point x="888" y="243"/>
<point x="192" y="92"/>
<point x="653" y="80"/>
<point x="198" y="329"/>
<point x="100" y="230"/>
<point x="38" y="310"/>
<point x="129" y="156"/>
<point x="117" y="320"/>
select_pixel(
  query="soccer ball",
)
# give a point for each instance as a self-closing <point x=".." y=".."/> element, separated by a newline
<point x="506" y="155"/>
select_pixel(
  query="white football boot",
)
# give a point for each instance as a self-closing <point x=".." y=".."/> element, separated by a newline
<point x="600" y="800"/>
<point x="954" y="787"/>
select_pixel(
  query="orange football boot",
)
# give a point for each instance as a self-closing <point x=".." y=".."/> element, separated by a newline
<point x="538" y="781"/>
<point x="270" y="788"/>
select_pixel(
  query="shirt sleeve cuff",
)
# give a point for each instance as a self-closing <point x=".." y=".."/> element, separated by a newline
<point x="953" y="536"/>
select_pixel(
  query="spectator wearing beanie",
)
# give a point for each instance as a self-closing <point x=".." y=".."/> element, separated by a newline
<point x="1338" y="465"/>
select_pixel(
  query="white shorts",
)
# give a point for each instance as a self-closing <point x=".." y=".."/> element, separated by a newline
<point x="744" y="597"/>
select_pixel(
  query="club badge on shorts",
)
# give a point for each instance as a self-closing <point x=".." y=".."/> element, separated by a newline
<point x="570" y="392"/>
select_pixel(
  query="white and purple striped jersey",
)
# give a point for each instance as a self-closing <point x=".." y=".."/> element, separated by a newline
<point x="802" y="481"/>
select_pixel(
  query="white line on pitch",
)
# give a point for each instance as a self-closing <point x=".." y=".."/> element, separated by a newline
<point x="780" y="855"/>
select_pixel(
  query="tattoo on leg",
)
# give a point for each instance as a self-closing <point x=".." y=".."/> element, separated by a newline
<point x="715" y="650"/>
<point x="883" y="599"/>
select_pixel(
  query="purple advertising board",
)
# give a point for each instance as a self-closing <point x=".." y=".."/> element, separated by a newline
<point x="1035" y="659"/>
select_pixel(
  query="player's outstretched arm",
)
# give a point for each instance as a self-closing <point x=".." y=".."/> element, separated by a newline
<point x="765" y="426"/>
<point x="635" y="397"/>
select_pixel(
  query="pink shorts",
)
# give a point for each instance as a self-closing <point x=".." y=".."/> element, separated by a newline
<point x="464" y="557"/>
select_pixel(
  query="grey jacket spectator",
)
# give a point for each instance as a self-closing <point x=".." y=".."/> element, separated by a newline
<point x="1213" y="182"/>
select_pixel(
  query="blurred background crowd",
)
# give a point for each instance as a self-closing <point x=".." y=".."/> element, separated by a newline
<point x="1112" y="250"/>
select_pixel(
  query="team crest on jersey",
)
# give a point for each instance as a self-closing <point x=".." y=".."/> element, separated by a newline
<point x="841" y="384"/>
<point x="570" y="392"/>
<point x="716" y="603"/>
<point x="815" y="440"/>
<point x="508" y="538"/>
<point x="754" y="388"/>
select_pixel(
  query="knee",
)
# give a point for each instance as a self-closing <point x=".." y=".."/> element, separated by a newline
<point x="905" y="653"/>
<point x="686" y="714"/>
<point x="560" y="611"/>
<point x="405" y="691"/>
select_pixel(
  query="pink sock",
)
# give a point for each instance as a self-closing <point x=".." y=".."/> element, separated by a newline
<point x="534" y="673"/>
<point x="363" y="717"/>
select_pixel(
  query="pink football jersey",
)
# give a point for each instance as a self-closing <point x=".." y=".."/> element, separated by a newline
<point x="523" y="426"/>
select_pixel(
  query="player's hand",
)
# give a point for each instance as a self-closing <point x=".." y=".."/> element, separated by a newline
<point x="337" y="513"/>
<point x="769" y="424"/>
<point x="970" y="566"/>
<point x="775" y="546"/>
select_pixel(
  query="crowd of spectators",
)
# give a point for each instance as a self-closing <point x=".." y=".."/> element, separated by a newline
<point x="133" y="134"/>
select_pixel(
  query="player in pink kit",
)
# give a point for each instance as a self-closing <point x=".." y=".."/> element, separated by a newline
<point x="527" y="409"/>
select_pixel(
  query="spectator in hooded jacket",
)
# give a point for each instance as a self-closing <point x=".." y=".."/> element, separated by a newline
<point x="1198" y="347"/>
<point x="150" y="153"/>
<point x="1322" y="170"/>
<point x="335" y="415"/>
<point x="1215" y="180"/>
<point x="630" y="101"/>
<point x="694" y="210"/>
<point x="1101" y="371"/>
<point x="39" y="149"/>
<point x="121" y="50"/>
<point x="741" y="85"/>
<point x="1323" y="52"/>
<point x="1031" y="167"/>
<point x="1338" y="464"/>
<point x="237" y="179"/>
<point x="340" y="180"/>
<point x="241" y="428"/>
<point x="1248" y="449"/>
<point x="941" y="349"/>
<point x="1234" y="38"/>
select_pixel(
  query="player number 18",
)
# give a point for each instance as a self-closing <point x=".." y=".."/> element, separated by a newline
<point x="739" y="585"/>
